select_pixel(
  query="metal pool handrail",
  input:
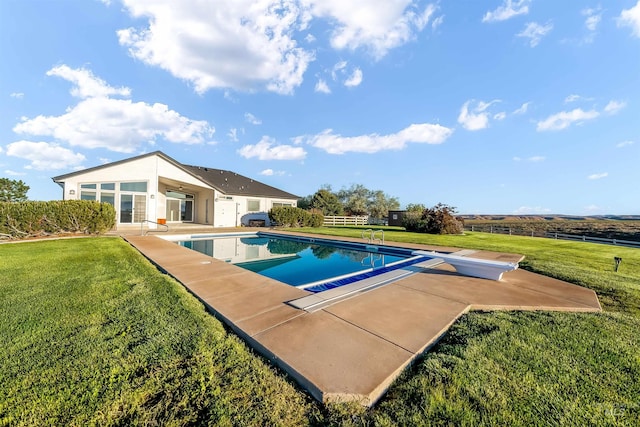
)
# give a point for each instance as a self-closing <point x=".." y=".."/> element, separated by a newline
<point x="142" y="232"/>
<point x="372" y="236"/>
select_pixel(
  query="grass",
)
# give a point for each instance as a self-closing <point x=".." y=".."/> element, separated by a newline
<point x="96" y="335"/>
<point x="92" y="333"/>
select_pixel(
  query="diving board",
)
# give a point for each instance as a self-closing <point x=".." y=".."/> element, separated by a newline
<point x="474" y="267"/>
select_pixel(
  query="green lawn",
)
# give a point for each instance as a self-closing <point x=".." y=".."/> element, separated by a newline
<point x="92" y="333"/>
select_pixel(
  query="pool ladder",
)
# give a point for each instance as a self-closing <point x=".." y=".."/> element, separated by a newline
<point x="371" y="237"/>
<point x="373" y="259"/>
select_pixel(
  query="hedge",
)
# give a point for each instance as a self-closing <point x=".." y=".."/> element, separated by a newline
<point x="20" y="220"/>
<point x="288" y="216"/>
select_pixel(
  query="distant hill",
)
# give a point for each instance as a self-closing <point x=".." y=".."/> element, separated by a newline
<point x="551" y="217"/>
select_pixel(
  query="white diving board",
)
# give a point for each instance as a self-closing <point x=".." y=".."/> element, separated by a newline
<point x="474" y="267"/>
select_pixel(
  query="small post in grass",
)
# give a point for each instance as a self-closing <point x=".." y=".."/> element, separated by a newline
<point x="618" y="260"/>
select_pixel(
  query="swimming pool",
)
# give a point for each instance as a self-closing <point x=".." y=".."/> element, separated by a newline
<point x="308" y="263"/>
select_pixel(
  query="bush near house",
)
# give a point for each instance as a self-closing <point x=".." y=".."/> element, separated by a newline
<point x="33" y="219"/>
<point x="439" y="219"/>
<point x="288" y="216"/>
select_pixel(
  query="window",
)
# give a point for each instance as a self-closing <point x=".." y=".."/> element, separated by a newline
<point x="253" y="205"/>
<point x="140" y="187"/>
<point x="108" y="186"/>
<point x="87" y="195"/>
<point x="280" y="204"/>
<point x="108" y="198"/>
<point x="89" y="186"/>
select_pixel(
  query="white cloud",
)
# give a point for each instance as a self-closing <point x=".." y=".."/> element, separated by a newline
<point x="239" y="44"/>
<point x="44" y="155"/>
<point x="564" y="119"/>
<point x="17" y="95"/>
<point x="522" y="109"/>
<point x="593" y="18"/>
<point x="250" y="118"/>
<point x="248" y="45"/>
<point x="598" y="176"/>
<point x="229" y="97"/>
<point x="86" y="84"/>
<point x="13" y="173"/>
<point x="535" y="32"/>
<point x="116" y="124"/>
<point x="528" y="210"/>
<point x="500" y="116"/>
<point x="375" y="26"/>
<point x="508" y="10"/>
<point x="338" y="68"/>
<point x="624" y="144"/>
<point x="233" y="134"/>
<point x="631" y="18"/>
<point x="355" y="79"/>
<point x="572" y="98"/>
<point x="332" y="143"/>
<point x="577" y="98"/>
<point x="342" y="72"/>
<point x="271" y="172"/>
<point x="614" y="107"/>
<point x="267" y="149"/>
<point x="437" y="22"/>
<point x="533" y="159"/>
<point x="322" y="87"/>
<point x="477" y="118"/>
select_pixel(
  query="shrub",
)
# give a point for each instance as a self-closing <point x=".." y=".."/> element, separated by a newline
<point x="30" y="219"/>
<point x="439" y="219"/>
<point x="288" y="216"/>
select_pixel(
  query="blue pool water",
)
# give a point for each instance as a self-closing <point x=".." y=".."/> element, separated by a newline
<point x="309" y="263"/>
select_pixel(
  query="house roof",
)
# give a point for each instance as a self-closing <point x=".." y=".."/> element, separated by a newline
<point x="227" y="182"/>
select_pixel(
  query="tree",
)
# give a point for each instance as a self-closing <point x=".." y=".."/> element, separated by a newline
<point x="305" y="202"/>
<point x="380" y="204"/>
<point x="439" y="219"/>
<point x="416" y="207"/>
<point x="355" y="199"/>
<point x="12" y="190"/>
<point x="327" y="202"/>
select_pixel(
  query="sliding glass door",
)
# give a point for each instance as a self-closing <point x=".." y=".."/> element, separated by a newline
<point x="133" y="208"/>
<point x="179" y="206"/>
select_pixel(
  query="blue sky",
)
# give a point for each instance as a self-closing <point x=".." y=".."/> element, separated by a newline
<point x="497" y="106"/>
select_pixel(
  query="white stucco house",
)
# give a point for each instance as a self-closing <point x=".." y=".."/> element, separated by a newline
<point x="154" y="188"/>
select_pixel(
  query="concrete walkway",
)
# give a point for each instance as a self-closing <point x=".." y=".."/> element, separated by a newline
<point x="355" y="348"/>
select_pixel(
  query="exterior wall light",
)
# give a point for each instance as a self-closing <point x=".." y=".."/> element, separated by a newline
<point x="72" y="192"/>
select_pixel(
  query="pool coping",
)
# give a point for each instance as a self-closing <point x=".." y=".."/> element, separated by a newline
<point x="353" y="349"/>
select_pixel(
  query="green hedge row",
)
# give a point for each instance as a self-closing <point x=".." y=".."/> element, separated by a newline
<point x="288" y="216"/>
<point x="29" y="219"/>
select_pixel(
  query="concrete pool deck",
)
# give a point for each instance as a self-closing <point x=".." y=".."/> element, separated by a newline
<point x="353" y="349"/>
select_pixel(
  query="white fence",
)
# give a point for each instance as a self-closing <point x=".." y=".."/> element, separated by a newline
<point x="553" y="235"/>
<point x="346" y="220"/>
